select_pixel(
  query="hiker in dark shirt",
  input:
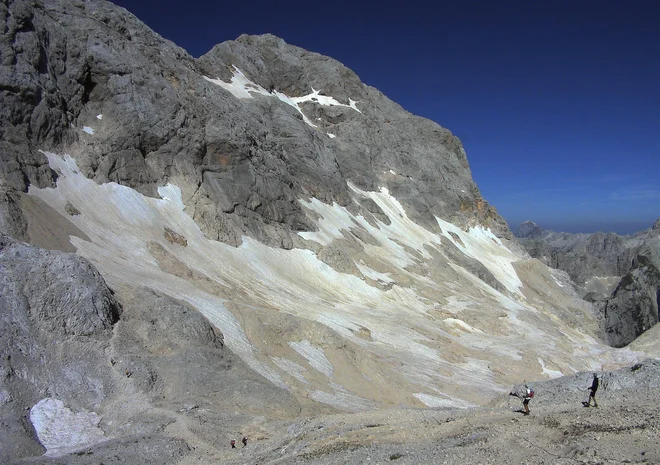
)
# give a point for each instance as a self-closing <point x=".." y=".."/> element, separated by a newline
<point x="592" y="392"/>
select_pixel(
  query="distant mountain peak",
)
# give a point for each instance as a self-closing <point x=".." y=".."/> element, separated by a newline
<point x="529" y="229"/>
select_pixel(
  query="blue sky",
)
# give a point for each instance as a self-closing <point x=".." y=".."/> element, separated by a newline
<point x="557" y="102"/>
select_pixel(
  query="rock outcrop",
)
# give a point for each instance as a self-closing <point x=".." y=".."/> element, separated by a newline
<point x="158" y="122"/>
<point x="56" y="314"/>
<point x="633" y="306"/>
<point x="620" y="274"/>
<point x="64" y="337"/>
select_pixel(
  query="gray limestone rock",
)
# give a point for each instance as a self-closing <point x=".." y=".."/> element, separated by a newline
<point x="56" y="315"/>
<point x="63" y="293"/>
<point x="242" y="164"/>
<point x="63" y="334"/>
<point x="574" y="388"/>
<point x="632" y="306"/>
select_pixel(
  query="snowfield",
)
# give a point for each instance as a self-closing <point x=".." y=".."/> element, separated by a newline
<point x="408" y="326"/>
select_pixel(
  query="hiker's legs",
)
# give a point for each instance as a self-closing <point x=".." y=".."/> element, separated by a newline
<point x="525" y="406"/>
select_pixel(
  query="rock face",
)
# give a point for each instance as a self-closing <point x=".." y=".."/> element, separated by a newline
<point x="281" y="241"/>
<point x="582" y="256"/>
<point x="63" y="336"/>
<point x="158" y="122"/>
<point x="633" y="306"/>
<point x="632" y="261"/>
<point x="52" y="304"/>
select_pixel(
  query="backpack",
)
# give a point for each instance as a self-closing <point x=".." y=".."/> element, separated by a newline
<point x="530" y="392"/>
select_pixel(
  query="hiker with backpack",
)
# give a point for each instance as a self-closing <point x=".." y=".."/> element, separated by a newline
<point x="524" y="393"/>
<point x="592" y="392"/>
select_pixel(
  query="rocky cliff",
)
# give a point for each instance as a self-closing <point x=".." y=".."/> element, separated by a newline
<point x="243" y="155"/>
<point x="618" y="273"/>
<point x="197" y="249"/>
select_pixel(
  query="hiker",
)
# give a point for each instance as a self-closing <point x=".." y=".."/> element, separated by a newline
<point x="244" y="440"/>
<point x="592" y="392"/>
<point x="233" y="443"/>
<point x="525" y="394"/>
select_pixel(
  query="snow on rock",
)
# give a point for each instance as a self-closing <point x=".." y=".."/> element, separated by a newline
<point x="547" y="371"/>
<point x="373" y="274"/>
<point x="242" y="87"/>
<point x="331" y="136"/>
<point x="99" y="117"/>
<point x="314" y="355"/>
<point x="482" y="245"/>
<point x="62" y="431"/>
<point x="442" y="402"/>
<point x="88" y="130"/>
<point x="340" y="397"/>
<point x="434" y="333"/>
<point x="291" y="368"/>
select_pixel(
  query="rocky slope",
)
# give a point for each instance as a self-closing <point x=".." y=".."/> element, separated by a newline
<point x="618" y="273"/>
<point x="195" y="250"/>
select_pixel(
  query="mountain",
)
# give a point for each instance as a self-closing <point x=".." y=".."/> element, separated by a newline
<point x="199" y="249"/>
<point x="618" y="273"/>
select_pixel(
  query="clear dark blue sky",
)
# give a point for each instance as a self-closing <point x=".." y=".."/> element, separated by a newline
<point x="557" y="102"/>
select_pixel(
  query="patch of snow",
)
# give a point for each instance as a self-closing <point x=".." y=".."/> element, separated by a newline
<point x="373" y="274"/>
<point x="461" y="324"/>
<point x="62" y="431"/>
<point x="547" y="371"/>
<point x="444" y="402"/>
<point x="482" y="245"/>
<point x="99" y="117"/>
<point x="290" y="367"/>
<point x="314" y="355"/>
<point x="341" y="398"/>
<point x="392" y="171"/>
<point x="241" y="87"/>
<point x="331" y="136"/>
<point x="88" y="130"/>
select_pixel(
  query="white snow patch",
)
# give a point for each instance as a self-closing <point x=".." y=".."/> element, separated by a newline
<point x="88" y="130"/>
<point x="393" y="172"/>
<point x="62" y="431"/>
<point x="99" y="117"/>
<point x="482" y="245"/>
<point x="373" y="274"/>
<point x="446" y="402"/>
<point x="331" y="136"/>
<point x="241" y="87"/>
<point x="461" y="324"/>
<point x="334" y="219"/>
<point x="343" y="399"/>
<point x="547" y="371"/>
<point x="314" y="355"/>
<point x="290" y="367"/>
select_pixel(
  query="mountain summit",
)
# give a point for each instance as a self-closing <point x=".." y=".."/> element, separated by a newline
<point x="252" y="234"/>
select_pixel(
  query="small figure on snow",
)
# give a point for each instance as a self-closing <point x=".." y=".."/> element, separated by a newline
<point x="524" y="393"/>
<point x="592" y="392"/>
